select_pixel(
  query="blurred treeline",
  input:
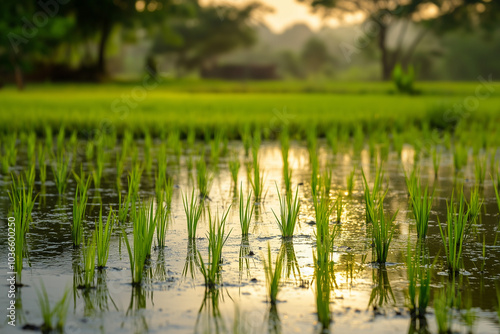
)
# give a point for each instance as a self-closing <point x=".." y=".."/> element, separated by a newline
<point x="93" y="40"/>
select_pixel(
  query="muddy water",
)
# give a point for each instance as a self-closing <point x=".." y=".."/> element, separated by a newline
<point x="366" y="299"/>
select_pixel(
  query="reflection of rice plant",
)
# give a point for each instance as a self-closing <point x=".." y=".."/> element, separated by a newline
<point x="323" y="288"/>
<point x="53" y="318"/>
<point x="217" y="237"/>
<point x="419" y="279"/>
<point x="289" y="213"/>
<point x="442" y="311"/>
<point x="193" y="211"/>
<point x="455" y="232"/>
<point x="382" y="235"/>
<point x="89" y="255"/>
<point x="246" y="212"/>
<point x="382" y="293"/>
<point x="60" y="169"/>
<point x="103" y="238"/>
<point x="79" y="207"/>
<point x="273" y="274"/>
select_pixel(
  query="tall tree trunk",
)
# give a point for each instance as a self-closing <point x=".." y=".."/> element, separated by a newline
<point x="101" y="62"/>
<point x="386" y="63"/>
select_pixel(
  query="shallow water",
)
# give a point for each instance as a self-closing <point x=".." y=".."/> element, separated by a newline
<point x="171" y="301"/>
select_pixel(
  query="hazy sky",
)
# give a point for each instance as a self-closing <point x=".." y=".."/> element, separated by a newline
<point x="286" y="13"/>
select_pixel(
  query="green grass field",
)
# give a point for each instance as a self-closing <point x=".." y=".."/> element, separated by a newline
<point x="200" y="104"/>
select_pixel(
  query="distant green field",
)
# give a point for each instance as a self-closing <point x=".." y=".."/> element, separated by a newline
<point x="270" y="105"/>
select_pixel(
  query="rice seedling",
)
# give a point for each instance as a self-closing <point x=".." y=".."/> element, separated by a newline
<point x="375" y="197"/>
<point x="103" y="237"/>
<point x="123" y="206"/>
<point x="257" y="181"/>
<point x="339" y="208"/>
<point x="436" y="160"/>
<point x="42" y="167"/>
<point x="191" y="138"/>
<point x="61" y="135"/>
<point x="193" y="211"/>
<point x="54" y="318"/>
<point x="325" y="184"/>
<point x="332" y="138"/>
<point x="161" y="171"/>
<point x="134" y="181"/>
<point x="475" y="203"/>
<point x="217" y="237"/>
<point x="382" y="235"/>
<point x="460" y="157"/>
<point x="148" y="143"/>
<point x="273" y="275"/>
<point x="60" y="169"/>
<point x="99" y="166"/>
<point x="120" y="165"/>
<point x="454" y="234"/>
<point x="314" y="173"/>
<point x="30" y="147"/>
<point x="480" y="170"/>
<point x="9" y="155"/>
<point x="234" y="167"/>
<point x="285" y="148"/>
<point x="203" y="178"/>
<point x="89" y="255"/>
<point x="162" y="219"/>
<point x="289" y="213"/>
<point x="246" y="212"/>
<point x="79" y="207"/>
<point x="419" y="279"/>
<point x="89" y="150"/>
<point x="421" y="206"/>
<point x="246" y="138"/>
<point x="358" y="139"/>
<point x="497" y="195"/>
<point x="351" y="181"/>
<point x="215" y="147"/>
<point x="174" y="143"/>
<point x="143" y="233"/>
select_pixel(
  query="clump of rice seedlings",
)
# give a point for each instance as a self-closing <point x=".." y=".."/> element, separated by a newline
<point x="442" y="310"/>
<point x="358" y="140"/>
<point x="54" y="318"/>
<point x="61" y="135"/>
<point x="191" y="137"/>
<point x="497" y="195"/>
<point x="161" y="171"/>
<point x="103" y="238"/>
<point x="475" y="203"/>
<point x="217" y="237"/>
<point x="351" y="181"/>
<point x="60" y="169"/>
<point x="375" y="197"/>
<point x="123" y="206"/>
<point x="9" y="155"/>
<point x="324" y="184"/>
<point x="174" y="143"/>
<point x="314" y="173"/>
<point x="143" y="233"/>
<point x="332" y="138"/>
<point x="161" y="217"/>
<point x="193" y="211"/>
<point x="436" y="160"/>
<point x="30" y="147"/>
<point x="148" y="143"/>
<point x="215" y="147"/>
<point x="203" y="178"/>
<point x="120" y="165"/>
<point x="234" y="167"/>
<point x="480" y="170"/>
<point x="89" y="150"/>
<point x="79" y="207"/>
<point x="339" y="207"/>
<point x="257" y="181"/>
<point x="134" y="181"/>
<point x="289" y="213"/>
<point x="49" y="138"/>
<point x="421" y="206"/>
<point x="382" y="235"/>
<point x="273" y="275"/>
<point x="42" y="167"/>
<point x="246" y="138"/>
<point x="285" y="148"/>
<point x="246" y="212"/>
<point x="89" y="255"/>
<point x="419" y="280"/>
<point x="460" y="157"/>
<point x="454" y="233"/>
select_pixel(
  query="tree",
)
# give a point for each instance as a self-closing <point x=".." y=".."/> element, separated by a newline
<point x="214" y="31"/>
<point x="436" y="14"/>
<point x="315" y="55"/>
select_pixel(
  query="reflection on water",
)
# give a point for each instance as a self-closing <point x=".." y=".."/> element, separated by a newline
<point x="191" y="262"/>
<point x="287" y="255"/>
<point x="209" y="318"/>
<point x="273" y="320"/>
<point x="381" y="296"/>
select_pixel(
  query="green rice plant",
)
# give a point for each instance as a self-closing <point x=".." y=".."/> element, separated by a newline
<point x="289" y="213"/>
<point x="9" y="155"/>
<point x="246" y="212"/>
<point x="497" y="195"/>
<point x="61" y="135"/>
<point x="99" y="166"/>
<point x="454" y="234"/>
<point x="257" y="181"/>
<point x="215" y="147"/>
<point x="234" y="167"/>
<point x="89" y="150"/>
<point x="358" y="139"/>
<point x="382" y="235"/>
<point x="60" y="169"/>
<point x="273" y="275"/>
<point x="217" y="237"/>
<point x="123" y="206"/>
<point x="148" y="143"/>
<point x="460" y="157"/>
<point x="421" y="206"/>
<point x="103" y="237"/>
<point x="325" y="236"/>
<point x="351" y="181"/>
<point x="134" y="181"/>
<point x="246" y="138"/>
<point x="480" y="169"/>
<point x="162" y="219"/>
<point x="161" y="171"/>
<point x="475" y="203"/>
<point x="79" y="207"/>
<point x="49" y="138"/>
<point x="174" y="143"/>
<point x="314" y="173"/>
<point x="89" y="255"/>
<point x="120" y="165"/>
<point x="193" y="211"/>
<point x="325" y="184"/>
<point x="42" y="167"/>
<point x="339" y="208"/>
<point x="203" y="178"/>
<point x="54" y="318"/>
<point x="332" y="138"/>
<point x="419" y="279"/>
<point x="436" y="160"/>
<point x="30" y="147"/>
<point x="191" y="138"/>
<point x="375" y="197"/>
<point x="143" y="233"/>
